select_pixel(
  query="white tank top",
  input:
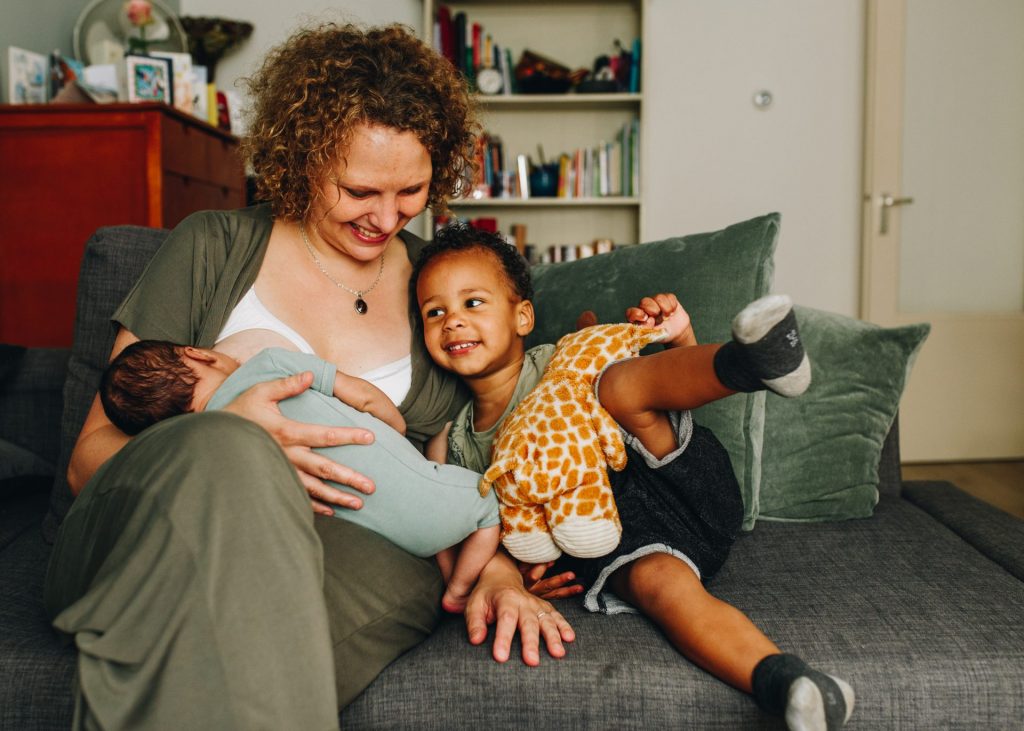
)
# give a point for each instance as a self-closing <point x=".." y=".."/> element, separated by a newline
<point x="394" y="379"/>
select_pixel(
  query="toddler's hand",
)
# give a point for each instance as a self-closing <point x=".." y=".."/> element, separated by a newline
<point x="665" y="311"/>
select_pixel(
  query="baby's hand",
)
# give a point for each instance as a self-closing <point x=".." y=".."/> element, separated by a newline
<point x="364" y="396"/>
<point x="663" y="310"/>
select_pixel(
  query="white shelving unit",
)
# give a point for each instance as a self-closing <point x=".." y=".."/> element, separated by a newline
<point x="574" y="33"/>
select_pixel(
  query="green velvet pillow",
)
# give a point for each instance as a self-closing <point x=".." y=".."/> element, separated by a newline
<point x="714" y="275"/>
<point x="821" y="450"/>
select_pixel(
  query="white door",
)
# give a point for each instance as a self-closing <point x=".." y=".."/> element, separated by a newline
<point x="943" y="217"/>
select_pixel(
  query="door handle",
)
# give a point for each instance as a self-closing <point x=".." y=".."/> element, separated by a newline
<point x="885" y="202"/>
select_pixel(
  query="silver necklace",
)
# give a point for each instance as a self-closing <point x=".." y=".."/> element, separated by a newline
<point x="360" y="303"/>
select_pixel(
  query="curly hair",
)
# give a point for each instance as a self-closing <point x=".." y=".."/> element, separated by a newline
<point x="147" y="382"/>
<point x="460" y="236"/>
<point x="316" y="87"/>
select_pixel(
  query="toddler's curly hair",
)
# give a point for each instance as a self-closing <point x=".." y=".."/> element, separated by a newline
<point x="316" y="87"/>
<point x="459" y="236"/>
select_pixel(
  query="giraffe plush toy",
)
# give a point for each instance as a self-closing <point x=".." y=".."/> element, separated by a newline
<point x="549" y="460"/>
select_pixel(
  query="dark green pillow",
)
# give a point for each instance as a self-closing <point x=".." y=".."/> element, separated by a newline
<point x="821" y="450"/>
<point x="714" y="275"/>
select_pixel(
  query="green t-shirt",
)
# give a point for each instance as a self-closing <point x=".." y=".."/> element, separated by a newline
<point x="472" y="449"/>
<point x="208" y="263"/>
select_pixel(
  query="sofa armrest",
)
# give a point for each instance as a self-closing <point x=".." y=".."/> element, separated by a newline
<point x="993" y="532"/>
<point x="32" y="400"/>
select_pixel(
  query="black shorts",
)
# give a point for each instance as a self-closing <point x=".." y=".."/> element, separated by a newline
<point x="689" y="507"/>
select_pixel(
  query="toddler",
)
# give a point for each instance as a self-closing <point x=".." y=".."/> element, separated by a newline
<point x="678" y="499"/>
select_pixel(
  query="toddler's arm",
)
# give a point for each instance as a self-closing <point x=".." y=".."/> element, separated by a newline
<point x="663" y="310"/>
<point x="363" y="396"/>
<point x="436" y="448"/>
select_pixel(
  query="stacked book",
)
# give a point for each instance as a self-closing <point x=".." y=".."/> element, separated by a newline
<point x="470" y="49"/>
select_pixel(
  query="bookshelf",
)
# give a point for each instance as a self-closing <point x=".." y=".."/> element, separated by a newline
<point x="573" y="33"/>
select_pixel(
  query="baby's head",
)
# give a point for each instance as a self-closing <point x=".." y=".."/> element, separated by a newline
<point x="474" y="292"/>
<point x="153" y="380"/>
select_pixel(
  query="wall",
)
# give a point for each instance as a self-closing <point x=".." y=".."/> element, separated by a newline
<point x="714" y="158"/>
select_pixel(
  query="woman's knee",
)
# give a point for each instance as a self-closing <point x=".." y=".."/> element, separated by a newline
<point x="204" y="459"/>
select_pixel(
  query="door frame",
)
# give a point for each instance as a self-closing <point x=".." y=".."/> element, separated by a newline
<point x="947" y="359"/>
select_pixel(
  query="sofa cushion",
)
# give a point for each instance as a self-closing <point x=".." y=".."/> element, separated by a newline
<point x="925" y="628"/>
<point x="821" y="451"/>
<point x="714" y="275"/>
<point x="113" y="260"/>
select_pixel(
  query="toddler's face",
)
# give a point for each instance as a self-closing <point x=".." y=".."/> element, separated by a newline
<point x="473" y="322"/>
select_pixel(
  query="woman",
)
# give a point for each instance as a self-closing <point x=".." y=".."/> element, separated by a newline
<point x="190" y="569"/>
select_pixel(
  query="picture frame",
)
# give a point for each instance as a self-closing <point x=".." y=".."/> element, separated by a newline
<point x="181" y="67"/>
<point x="149" y="79"/>
<point x="28" y="76"/>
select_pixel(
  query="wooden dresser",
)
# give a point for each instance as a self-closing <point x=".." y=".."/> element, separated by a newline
<point x="66" y="170"/>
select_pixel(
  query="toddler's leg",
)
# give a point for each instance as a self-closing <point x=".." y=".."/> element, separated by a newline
<point x="638" y="392"/>
<point x="476" y="551"/>
<point x="722" y="640"/>
<point x="711" y="633"/>
<point x="766" y="350"/>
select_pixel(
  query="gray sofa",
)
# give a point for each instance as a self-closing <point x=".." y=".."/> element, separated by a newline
<point x="920" y="606"/>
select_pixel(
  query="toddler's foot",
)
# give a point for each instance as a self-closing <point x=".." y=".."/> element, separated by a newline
<point x="766" y="350"/>
<point x="810" y="700"/>
<point x="455" y="598"/>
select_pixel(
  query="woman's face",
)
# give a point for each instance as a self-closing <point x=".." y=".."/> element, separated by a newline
<point x="379" y="185"/>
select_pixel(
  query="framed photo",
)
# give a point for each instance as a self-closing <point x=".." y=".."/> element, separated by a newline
<point x="149" y="79"/>
<point x="27" y="76"/>
<point x="181" y="66"/>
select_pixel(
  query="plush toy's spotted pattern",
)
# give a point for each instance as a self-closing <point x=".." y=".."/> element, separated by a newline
<point x="549" y="460"/>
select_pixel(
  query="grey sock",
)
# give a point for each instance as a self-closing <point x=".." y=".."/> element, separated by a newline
<point x="785" y="684"/>
<point x="766" y="350"/>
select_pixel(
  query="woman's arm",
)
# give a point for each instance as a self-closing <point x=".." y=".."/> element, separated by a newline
<point x="499" y="598"/>
<point x="99" y="439"/>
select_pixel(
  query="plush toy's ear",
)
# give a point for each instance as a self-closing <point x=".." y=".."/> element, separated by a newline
<point x="587" y="318"/>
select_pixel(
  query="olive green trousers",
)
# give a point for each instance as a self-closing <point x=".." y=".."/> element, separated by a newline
<point x="202" y="593"/>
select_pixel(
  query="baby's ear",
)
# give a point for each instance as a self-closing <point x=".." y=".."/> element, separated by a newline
<point x="199" y="354"/>
<point x="524" y="318"/>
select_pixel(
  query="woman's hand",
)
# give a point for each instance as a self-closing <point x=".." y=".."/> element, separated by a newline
<point x="553" y="587"/>
<point x="665" y="311"/>
<point x="260" y="404"/>
<point x="500" y="598"/>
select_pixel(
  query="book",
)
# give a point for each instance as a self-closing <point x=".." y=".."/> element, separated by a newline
<point x="28" y="74"/>
<point x="634" y="70"/>
<point x="523" y="171"/>
<point x="459" y="40"/>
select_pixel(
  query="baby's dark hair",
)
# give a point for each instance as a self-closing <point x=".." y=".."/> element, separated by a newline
<point x="463" y="237"/>
<point x="147" y="382"/>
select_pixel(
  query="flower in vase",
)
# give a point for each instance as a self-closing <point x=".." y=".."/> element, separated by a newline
<point x="140" y="14"/>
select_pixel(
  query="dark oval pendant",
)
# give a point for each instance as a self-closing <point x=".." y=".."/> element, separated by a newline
<point x="361" y="307"/>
